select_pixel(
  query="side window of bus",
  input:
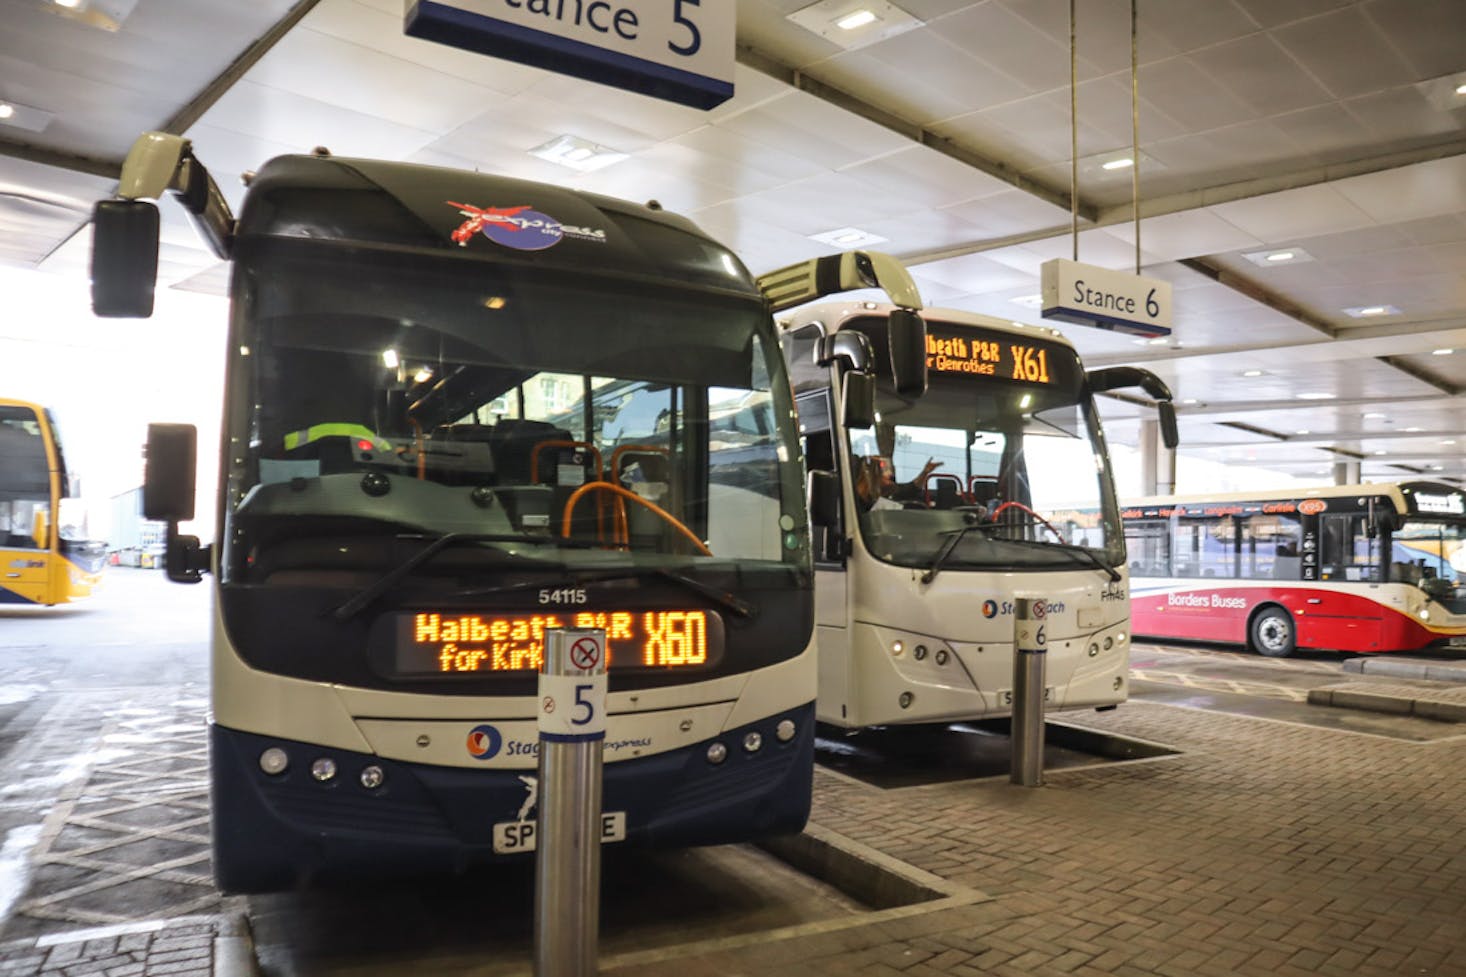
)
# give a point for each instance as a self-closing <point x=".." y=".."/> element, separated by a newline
<point x="1186" y="547"/>
<point x="1270" y="547"/>
<point x="1148" y="543"/>
<point x="1348" y="553"/>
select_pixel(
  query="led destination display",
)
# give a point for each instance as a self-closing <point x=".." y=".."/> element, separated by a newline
<point x="1002" y="356"/>
<point x="450" y="643"/>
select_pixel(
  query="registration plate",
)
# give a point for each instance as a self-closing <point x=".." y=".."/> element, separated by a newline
<point x="1005" y="696"/>
<point x="511" y="837"/>
<point x="1457" y="641"/>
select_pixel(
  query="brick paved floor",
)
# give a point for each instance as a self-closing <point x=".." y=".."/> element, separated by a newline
<point x="1265" y="848"/>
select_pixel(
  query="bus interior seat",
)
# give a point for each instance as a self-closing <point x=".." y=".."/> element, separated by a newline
<point x="512" y="442"/>
<point x="948" y="496"/>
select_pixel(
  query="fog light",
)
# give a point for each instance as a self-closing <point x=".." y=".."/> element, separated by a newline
<point x="372" y="777"/>
<point x="785" y="730"/>
<point x="1093" y="649"/>
<point x="752" y="742"/>
<point x="896" y="648"/>
<point x="1109" y="643"/>
<point x="274" y="761"/>
<point x="919" y="653"/>
<point x="1119" y="681"/>
<point x="323" y="769"/>
<point x="941" y="657"/>
<point x="906" y="699"/>
<point x="1424" y="613"/>
<point x="717" y="753"/>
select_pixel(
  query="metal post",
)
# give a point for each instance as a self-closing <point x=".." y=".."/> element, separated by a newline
<point x="572" y="730"/>
<point x="1027" y="725"/>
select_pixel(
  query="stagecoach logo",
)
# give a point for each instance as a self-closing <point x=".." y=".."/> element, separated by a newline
<point x="989" y="608"/>
<point x="484" y="742"/>
<point x="519" y="227"/>
<point x="1312" y="507"/>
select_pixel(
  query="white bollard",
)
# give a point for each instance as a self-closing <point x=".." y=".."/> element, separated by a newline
<point x="1027" y="725"/>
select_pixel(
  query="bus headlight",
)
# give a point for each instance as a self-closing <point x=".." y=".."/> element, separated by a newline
<point x="274" y="761"/>
<point x="1423" y="613"/>
<point x="717" y="753"/>
<point x="785" y="730"/>
<point x="323" y="769"/>
<point x="753" y="742"/>
<point x="372" y="777"/>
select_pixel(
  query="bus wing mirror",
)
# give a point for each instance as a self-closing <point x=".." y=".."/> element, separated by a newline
<point x="859" y="401"/>
<point x="823" y="489"/>
<point x="906" y="335"/>
<point x="1115" y="377"/>
<point x="848" y="345"/>
<point x="41" y="529"/>
<point x="1170" y="436"/>
<point x="168" y="482"/>
<point x="124" y="258"/>
<point x="168" y="487"/>
<point x="806" y="281"/>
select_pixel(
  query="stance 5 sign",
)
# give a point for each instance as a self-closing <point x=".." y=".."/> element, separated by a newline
<point x="678" y="50"/>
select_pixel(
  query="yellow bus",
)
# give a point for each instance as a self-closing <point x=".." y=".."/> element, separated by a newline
<point x="45" y="555"/>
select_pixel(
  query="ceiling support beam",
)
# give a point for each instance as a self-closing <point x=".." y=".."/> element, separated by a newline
<point x="1421" y="374"/>
<point x="1254" y="291"/>
<point x="794" y="78"/>
<point x="61" y="161"/>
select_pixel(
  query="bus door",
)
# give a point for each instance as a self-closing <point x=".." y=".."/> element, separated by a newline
<point x="831" y="597"/>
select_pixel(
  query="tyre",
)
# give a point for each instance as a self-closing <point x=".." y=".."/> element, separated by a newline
<point x="1273" y="633"/>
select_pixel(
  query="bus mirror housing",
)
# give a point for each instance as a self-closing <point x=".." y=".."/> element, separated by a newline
<point x="906" y="334"/>
<point x="41" y="529"/>
<point x="1115" y="377"/>
<point x="849" y="348"/>
<point x="124" y="258"/>
<point x="823" y="489"/>
<point x="859" y="401"/>
<point x="784" y="288"/>
<point x="168" y="492"/>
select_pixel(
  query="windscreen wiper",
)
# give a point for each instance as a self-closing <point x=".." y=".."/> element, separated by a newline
<point x="1085" y="551"/>
<point x="726" y="600"/>
<point x="954" y="536"/>
<point x="395" y="576"/>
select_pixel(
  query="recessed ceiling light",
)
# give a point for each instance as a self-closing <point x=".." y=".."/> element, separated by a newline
<point x="1379" y="452"/>
<point x="106" y="15"/>
<point x="1441" y="352"/>
<point x="1461" y="89"/>
<point x="1123" y="163"/>
<point x="1157" y="341"/>
<point x="859" y="18"/>
<point x="1279" y="256"/>
<point x="1190" y="401"/>
<point x="1028" y="301"/>
<point x="1449" y="441"/>
<point x="1411" y="430"/>
<point x="1252" y="373"/>
<point x="1371" y="311"/>
<point x="24" y="116"/>
<point x="68" y="4"/>
<point x="854" y="25"/>
<point x="578" y="154"/>
<point x="1374" y="416"/>
<point x="1315" y="395"/>
<point x="1305" y="431"/>
<point x="847" y="237"/>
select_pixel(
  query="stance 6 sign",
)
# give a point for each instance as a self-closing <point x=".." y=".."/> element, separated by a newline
<point x="1092" y="296"/>
<point x="677" y="50"/>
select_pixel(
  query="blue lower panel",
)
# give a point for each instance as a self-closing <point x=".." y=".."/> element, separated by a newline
<point x="291" y="831"/>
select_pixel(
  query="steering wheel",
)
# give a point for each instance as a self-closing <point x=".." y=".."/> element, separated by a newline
<point x="628" y="494"/>
<point x="1019" y="505"/>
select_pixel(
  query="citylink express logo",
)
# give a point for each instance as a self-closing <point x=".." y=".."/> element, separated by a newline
<point x="484" y="742"/>
<point x="520" y="228"/>
<point x="989" y="608"/>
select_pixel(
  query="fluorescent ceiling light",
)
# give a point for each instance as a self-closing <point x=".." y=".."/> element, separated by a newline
<point x="578" y="154"/>
<point x="859" y="18"/>
<point x="1461" y="89"/>
<point x="423" y="375"/>
<point x="69" y="4"/>
<point x="1441" y="352"/>
<point x="26" y="117"/>
<point x="1123" y="163"/>
<point x="1277" y="256"/>
<point x="1158" y="341"/>
<point x="1028" y="301"/>
<point x="389" y="359"/>
<point x="1449" y="441"/>
<point x="852" y="25"/>
<point x="1314" y="395"/>
<point x="1411" y="430"/>
<point x="1252" y="373"/>
<point x="1371" y="311"/>
<point x="1374" y="416"/>
<point x="1305" y="431"/>
<point x="847" y="237"/>
<point x="106" y="15"/>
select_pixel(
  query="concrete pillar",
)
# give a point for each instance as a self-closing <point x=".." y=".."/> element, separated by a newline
<point x="1346" y="473"/>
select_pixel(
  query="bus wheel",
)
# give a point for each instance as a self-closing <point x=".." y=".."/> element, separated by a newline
<point x="1273" y="633"/>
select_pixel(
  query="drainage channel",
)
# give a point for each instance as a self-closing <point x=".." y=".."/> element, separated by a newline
<point x="893" y="757"/>
<point x="655" y="906"/>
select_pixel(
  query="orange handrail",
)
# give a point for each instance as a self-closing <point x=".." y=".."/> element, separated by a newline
<point x="627" y="494"/>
